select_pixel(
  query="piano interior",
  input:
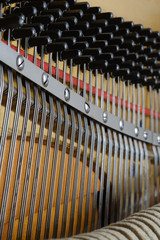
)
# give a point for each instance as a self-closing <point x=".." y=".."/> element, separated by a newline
<point x="79" y="120"/>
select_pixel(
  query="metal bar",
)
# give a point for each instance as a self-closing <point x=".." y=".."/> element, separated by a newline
<point x="102" y="90"/>
<point x="143" y="108"/>
<point x="108" y="184"/>
<point x="136" y="175"/>
<point x="20" y="159"/>
<point x="75" y="181"/>
<point x="64" y="72"/>
<point x="155" y="174"/>
<point x="158" y="150"/>
<point x="100" y="209"/>
<point x="90" y="86"/>
<point x="156" y="111"/>
<point x="159" y="109"/>
<point x="83" y="175"/>
<point x="29" y="163"/>
<point x="78" y="79"/>
<point x="125" y="192"/>
<point x="108" y="91"/>
<point x="124" y="101"/>
<point x="119" y="197"/>
<point x="1" y="85"/>
<point x="96" y="86"/>
<point x="119" y="98"/>
<point x="114" y="179"/>
<point x="121" y="152"/>
<point x="54" y="165"/>
<point x="84" y="81"/>
<point x="34" y="73"/>
<point x="138" y="100"/>
<point x="50" y="64"/>
<point x="134" y="104"/>
<point x="129" y="108"/>
<point x="46" y="162"/>
<point x="6" y="116"/>
<point x="71" y="72"/>
<point x="57" y="66"/>
<point x="146" y="199"/>
<point x="58" y="202"/>
<point x="141" y="174"/>
<point x="132" y="152"/>
<point x="113" y="96"/>
<point x="151" y="108"/>
<point x="11" y="151"/>
<point x="96" y="178"/>
<point x="93" y="136"/>
<point x="69" y="171"/>
<point x="36" y="171"/>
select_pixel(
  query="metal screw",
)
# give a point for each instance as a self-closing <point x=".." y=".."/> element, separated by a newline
<point x="67" y="94"/>
<point x="145" y="134"/>
<point x="105" y="117"/>
<point x="45" y="79"/>
<point x="158" y="139"/>
<point x="87" y="107"/>
<point x="136" y="131"/>
<point x="20" y="62"/>
<point x="121" y="124"/>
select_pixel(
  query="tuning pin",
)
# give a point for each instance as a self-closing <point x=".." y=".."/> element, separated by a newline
<point x="56" y="47"/>
<point x="38" y="26"/>
<point x="63" y="5"/>
<point x="89" y="39"/>
<point x="11" y="21"/>
<point x="23" y="32"/>
<point x="105" y="15"/>
<point x="80" y="45"/>
<point x="90" y="17"/>
<point x="52" y="34"/>
<point x="58" y="25"/>
<point x="104" y="36"/>
<point x="95" y="52"/>
<point x="84" y="6"/>
<point x="72" y="20"/>
<point x="92" y="31"/>
<point x="72" y="33"/>
<point x="44" y="19"/>
<point x="111" y="48"/>
<point x="39" y="41"/>
<point x="69" y="40"/>
<point x="56" y="12"/>
<point x="78" y="13"/>
<point x="105" y="56"/>
<point x="94" y="10"/>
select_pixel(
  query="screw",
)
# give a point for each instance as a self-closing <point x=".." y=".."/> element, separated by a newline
<point x="145" y="134"/>
<point x="20" y="62"/>
<point x="67" y="94"/>
<point x="45" y="79"/>
<point x="136" y="131"/>
<point x="121" y="124"/>
<point x="87" y="107"/>
<point x="105" y="117"/>
<point x="158" y="139"/>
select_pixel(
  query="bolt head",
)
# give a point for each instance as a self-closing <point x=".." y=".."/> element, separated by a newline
<point x="105" y="117"/>
<point x="145" y="134"/>
<point x="158" y="139"/>
<point x="67" y="94"/>
<point x="20" y="62"/>
<point x="136" y="131"/>
<point x="45" y="79"/>
<point x="87" y="107"/>
<point x="121" y="124"/>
